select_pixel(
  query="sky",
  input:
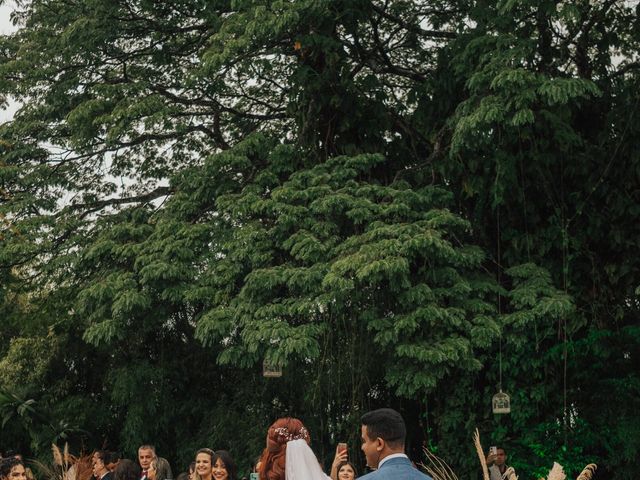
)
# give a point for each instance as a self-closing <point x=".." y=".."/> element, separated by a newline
<point x="5" y="23"/>
<point x="6" y="113"/>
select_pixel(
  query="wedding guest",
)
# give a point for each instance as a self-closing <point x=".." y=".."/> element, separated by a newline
<point x="127" y="470"/>
<point x="111" y="460"/>
<point x="146" y="453"/>
<point x="12" y="468"/>
<point x="100" y="470"/>
<point x="498" y="468"/>
<point x="224" y="468"/>
<point x="159" y="469"/>
<point x="204" y="464"/>
<point x="27" y="471"/>
<point x="344" y="471"/>
<point x="341" y="468"/>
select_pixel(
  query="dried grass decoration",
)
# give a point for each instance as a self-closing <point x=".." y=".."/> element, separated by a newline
<point x="556" y="472"/>
<point x="437" y="468"/>
<point x="61" y="467"/>
<point x="481" y="457"/>
<point x="588" y="472"/>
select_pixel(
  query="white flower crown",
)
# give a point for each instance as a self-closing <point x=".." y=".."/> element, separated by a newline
<point x="288" y="436"/>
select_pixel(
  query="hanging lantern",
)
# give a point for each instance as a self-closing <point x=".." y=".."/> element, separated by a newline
<point x="271" y="370"/>
<point x="501" y="403"/>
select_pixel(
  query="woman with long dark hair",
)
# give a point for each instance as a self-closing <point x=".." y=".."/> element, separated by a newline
<point x="224" y="468"/>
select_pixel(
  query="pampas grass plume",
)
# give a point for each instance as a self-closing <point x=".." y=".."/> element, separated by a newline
<point x="65" y="456"/>
<point x="57" y="455"/>
<point x="587" y="472"/>
<point x="556" y="473"/>
<point x="84" y="468"/>
<point x="438" y="468"/>
<point x="481" y="457"/>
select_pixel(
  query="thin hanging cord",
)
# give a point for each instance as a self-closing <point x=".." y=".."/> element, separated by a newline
<point x="499" y="300"/>
<point x="565" y="351"/>
<point x="500" y="363"/>
<point x="524" y="208"/>
<point x="563" y="321"/>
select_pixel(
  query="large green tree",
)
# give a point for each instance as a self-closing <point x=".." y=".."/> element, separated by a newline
<point x="399" y="202"/>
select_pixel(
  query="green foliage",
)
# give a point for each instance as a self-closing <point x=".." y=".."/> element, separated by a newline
<point x="329" y="249"/>
<point x="27" y="360"/>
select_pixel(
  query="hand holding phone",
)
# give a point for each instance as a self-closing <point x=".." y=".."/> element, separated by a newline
<point x="341" y="456"/>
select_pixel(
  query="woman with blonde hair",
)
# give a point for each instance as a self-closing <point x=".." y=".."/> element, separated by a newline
<point x="159" y="469"/>
<point x="288" y="455"/>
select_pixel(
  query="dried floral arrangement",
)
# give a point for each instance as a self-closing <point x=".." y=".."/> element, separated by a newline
<point x="440" y="470"/>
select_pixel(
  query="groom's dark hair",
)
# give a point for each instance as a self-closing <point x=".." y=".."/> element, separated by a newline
<point x="387" y="424"/>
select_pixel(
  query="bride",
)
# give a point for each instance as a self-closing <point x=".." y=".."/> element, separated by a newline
<point x="288" y="455"/>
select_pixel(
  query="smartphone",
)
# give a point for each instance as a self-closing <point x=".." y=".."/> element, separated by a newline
<point x="342" y="447"/>
<point x="493" y="450"/>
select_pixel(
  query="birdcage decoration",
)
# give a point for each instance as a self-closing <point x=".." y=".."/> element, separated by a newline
<point x="271" y="370"/>
<point x="501" y="403"/>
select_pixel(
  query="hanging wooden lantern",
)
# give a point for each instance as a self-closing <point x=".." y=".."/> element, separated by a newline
<point x="501" y="403"/>
<point x="271" y="370"/>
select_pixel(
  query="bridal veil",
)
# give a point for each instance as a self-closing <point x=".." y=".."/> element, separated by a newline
<point x="301" y="463"/>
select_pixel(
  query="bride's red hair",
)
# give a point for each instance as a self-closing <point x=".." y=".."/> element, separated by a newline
<point x="272" y="462"/>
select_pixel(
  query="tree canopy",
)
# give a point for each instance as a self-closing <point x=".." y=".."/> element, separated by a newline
<point x="400" y="203"/>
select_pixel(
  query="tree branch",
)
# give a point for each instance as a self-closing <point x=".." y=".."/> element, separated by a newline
<point x="100" y="204"/>
<point x="413" y="28"/>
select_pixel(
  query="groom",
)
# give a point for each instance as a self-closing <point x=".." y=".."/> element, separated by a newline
<point x="383" y="434"/>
